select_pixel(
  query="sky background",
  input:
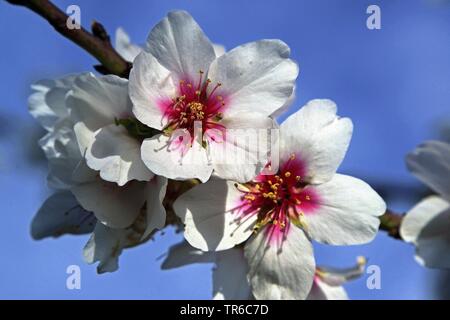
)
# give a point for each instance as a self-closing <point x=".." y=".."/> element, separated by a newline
<point x="394" y="84"/>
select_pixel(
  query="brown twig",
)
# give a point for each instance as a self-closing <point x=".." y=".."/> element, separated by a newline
<point x="96" y="43"/>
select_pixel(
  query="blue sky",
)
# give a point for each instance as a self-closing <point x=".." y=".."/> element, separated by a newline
<point x="394" y="83"/>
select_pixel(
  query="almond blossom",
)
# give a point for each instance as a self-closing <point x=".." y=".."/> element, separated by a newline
<point x="96" y="104"/>
<point x="126" y="214"/>
<point x="179" y="84"/>
<point x="279" y="214"/>
<point x="427" y="225"/>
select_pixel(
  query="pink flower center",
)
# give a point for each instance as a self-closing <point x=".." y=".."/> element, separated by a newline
<point x="197" y="101"/>
<point x="279" y="199"/>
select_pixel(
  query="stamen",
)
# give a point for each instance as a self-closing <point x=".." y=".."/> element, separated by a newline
<point x="241" y="187"/>
<point x="215" y="88"/>
<point x="200" y="80"/>
<point x="249" y="197"/>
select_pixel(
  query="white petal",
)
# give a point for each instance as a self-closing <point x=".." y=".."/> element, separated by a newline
<point x="61" y="149"/>
<point x="179" y="44"/>
<point x="106" y="244"/>
<point x="61" y="214"/>
<point x="163" y="159"/>
<point x="230" y="276"/>
<point x="155" y="211"/>
<point x="286" y="105"/>
<point x="430" y="162"/>
<point x="243" y="154"/>
<point x="182" y="254"/>
<point x="47" y="102"/>
<point x="125" y="47"/>
<point x="347" y="212"/>
<point x="117" y="156"/>
<point x="83" y="174"/>
<point x="150" y="85"/>
<point x="116" y="207"/>
<point x="419" y="216"/>
<point x="59" y="176"/>
<point x="257" y="76"/>
<point x="219" y="49"/>
<point x="427" y="225"/>
<point x="98" y="101"/>
<point x="212" y="220"/>
<point x="322" y="291"/>
<point x="84" y="136"/>
<point x="284" y="272"/>
<point x="38" y="107"/>
<point x="319" y="136"/>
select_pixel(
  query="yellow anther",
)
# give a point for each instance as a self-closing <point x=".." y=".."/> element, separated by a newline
<point x="270" y="195"/>
<point x="360" y="260"/>
<point x="298" y="178"/>
<point x="297" y="202"/>
<point x="249" y="197"/>
<point x="287" y="174"/>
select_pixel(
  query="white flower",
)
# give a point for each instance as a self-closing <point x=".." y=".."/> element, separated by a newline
<point x="427" y="225"/>
<point x="305" y="200"/>
<point x="96" y="104"/>
<point x="179" y="82"/>
<point x="118" y="208"/>
<point x="230" y="273"/>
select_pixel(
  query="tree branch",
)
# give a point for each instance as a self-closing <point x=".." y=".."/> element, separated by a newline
<point x="96" y="43"/>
